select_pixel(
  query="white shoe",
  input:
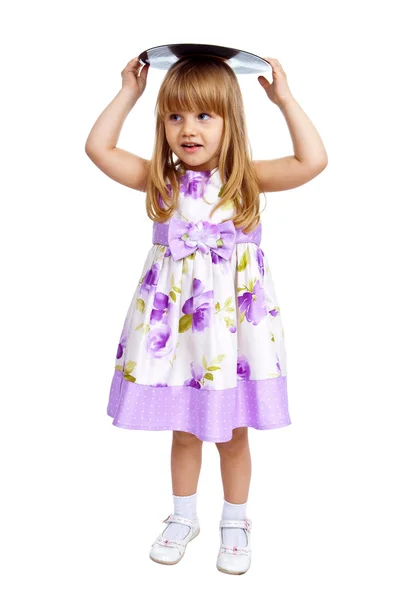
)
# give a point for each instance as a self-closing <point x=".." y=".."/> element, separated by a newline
<point x="169" y="552"/>
<point x="233" y="559"/>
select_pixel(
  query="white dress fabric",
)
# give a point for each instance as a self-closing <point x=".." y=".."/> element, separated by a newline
<point x="202" y="346"/>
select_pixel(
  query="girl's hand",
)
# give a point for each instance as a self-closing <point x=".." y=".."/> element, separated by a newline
<point x="278" y="91"/>
<point x="131" y="78"/>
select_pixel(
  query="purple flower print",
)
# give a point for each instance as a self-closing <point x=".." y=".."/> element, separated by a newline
<point x="194" y="183"/>
<point x="157" y="339"/>
<point x="164" y="309"/>
<point x="278" y="366"/>
<point x="274" y="312"/>
<point x="161" y="202"/>
<point x="243" y="368"/>
<point x="199" y="306"/>
<point x="216" y="258"/>
<point x="197" y="375"/>
<point x="121" y="346"/>
<point x="151" y="278"/>
<point x="260" y="260"/>
<point x="160" y="310"/>
<point x="167" y="252"/>
<point x="123" y="339"/>
<point x="224" y="264"/>
<point x="253" y="304"/>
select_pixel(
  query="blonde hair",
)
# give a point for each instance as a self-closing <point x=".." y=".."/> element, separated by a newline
<point x="204" y="83"/>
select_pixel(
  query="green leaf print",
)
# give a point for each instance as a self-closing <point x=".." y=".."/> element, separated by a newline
<point x="209" y="376"/>
<point x="244" y="261"/>
<point x="221" y="191"/>
<point x="252" y="284"/>
<point x="140" y="305"/>
<point x="226" y="308"/>
<point x="185" y="266"/>
<point x="139" y="326"/>
<point x="173" y="295"/>
<point x="129" y="378"/>
<point x="177" y="290"/>
<point x="204" y="362"/>
<point x="213" y="368"/>
<point x="229" y="322"/>
<point x="220" y="242"/>
<point x="272" y="337"/>
<point x="172" y="280"/>
<point x="171" y="361"/>
<point x="129" y="366"/>
<point x="219" y="358"/>
<point x="228" y="301"/>
<point x="191" y="256"/>
<point x="185" y="323"/>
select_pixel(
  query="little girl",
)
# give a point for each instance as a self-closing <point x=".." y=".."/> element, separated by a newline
<point x="202" y="349"/>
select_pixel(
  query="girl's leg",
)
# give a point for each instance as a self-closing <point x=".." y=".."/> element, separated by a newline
<point x="186" y="455"/>
<point x="235" y="461"/>
<point x="236" y="473"/>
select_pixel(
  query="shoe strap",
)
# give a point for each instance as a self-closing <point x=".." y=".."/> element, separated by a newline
<point x="244" y="524"/>
<point x="170" y="543"/>
<point x="181" y="520"/>
<point x="224" y="548"/>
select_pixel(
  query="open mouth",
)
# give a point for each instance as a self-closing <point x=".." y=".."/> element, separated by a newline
<point x="191" y="149"/>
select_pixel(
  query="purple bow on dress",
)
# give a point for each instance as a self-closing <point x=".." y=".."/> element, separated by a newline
<point x="185" y="238"/>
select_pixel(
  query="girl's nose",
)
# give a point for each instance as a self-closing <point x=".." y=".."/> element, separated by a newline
<point x="189" y="127"/>
<point x="188" y="131"/>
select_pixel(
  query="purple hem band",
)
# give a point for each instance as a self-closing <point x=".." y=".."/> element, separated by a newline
<point x="210" y="415"/>
<point x="160" y="234"/>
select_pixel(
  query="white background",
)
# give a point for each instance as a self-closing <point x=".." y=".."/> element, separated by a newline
<point x="82" y="500"/>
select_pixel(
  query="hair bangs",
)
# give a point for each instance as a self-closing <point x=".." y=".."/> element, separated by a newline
<point x="191" y="91"/>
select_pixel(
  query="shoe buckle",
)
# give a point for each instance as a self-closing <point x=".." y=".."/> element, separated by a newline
<point x="165" y="520"/>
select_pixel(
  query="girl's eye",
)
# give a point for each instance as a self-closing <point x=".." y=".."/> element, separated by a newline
<point x="175" y="115"/>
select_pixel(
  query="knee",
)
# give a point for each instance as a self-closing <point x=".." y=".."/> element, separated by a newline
<point x="185" y="438"/>
<point x="239" y="439"/>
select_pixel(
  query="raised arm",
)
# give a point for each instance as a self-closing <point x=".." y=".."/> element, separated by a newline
<point x="309" y="158"/>
<point x="101" y="145"/>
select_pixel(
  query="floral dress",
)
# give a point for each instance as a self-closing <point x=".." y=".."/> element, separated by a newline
<point x="202" y="346"/>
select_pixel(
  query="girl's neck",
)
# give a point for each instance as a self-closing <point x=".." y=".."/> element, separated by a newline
<point x="184" y="169"/>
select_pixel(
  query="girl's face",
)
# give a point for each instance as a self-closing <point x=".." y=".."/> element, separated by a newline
<point x="204" y="128"/>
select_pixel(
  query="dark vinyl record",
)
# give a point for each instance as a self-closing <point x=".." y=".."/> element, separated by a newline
<point x="241" y="62"/>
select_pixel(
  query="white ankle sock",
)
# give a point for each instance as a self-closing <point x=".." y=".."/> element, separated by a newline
<point x="184" y="506"/>
<point x="233" y="536"/>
